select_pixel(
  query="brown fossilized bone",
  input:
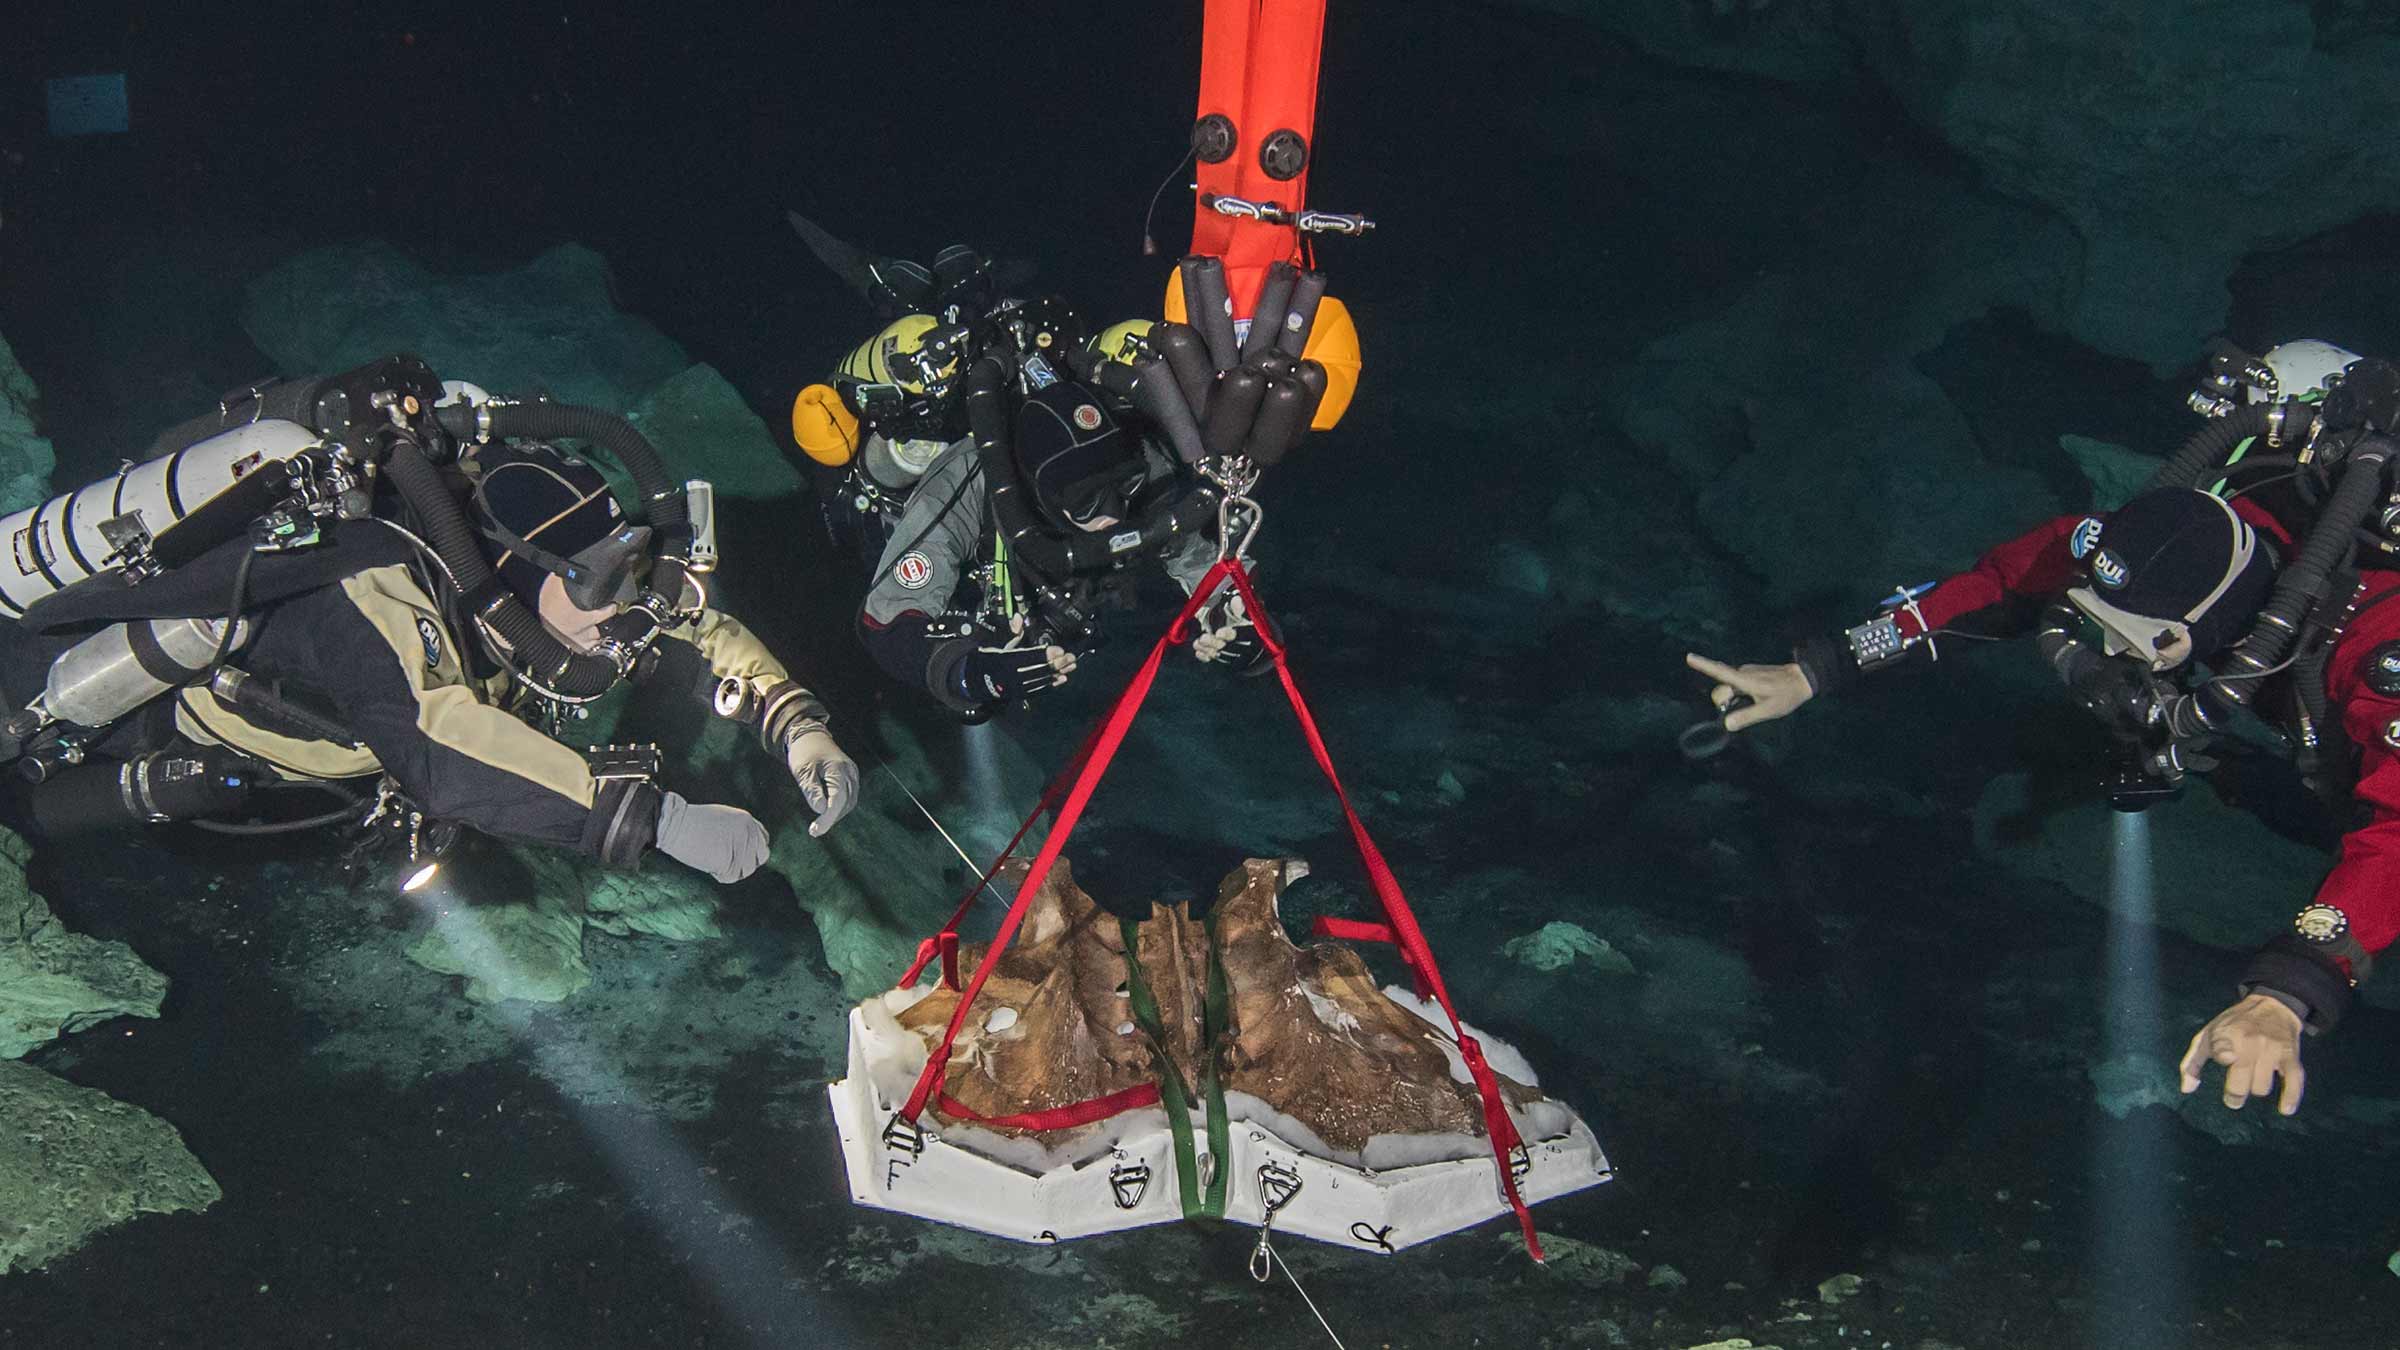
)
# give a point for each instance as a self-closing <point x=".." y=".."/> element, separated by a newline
<point x="1310" y="1034"/>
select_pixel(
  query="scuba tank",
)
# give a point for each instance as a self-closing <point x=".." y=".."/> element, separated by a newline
<point x="82" y="533"/>
<point x="124" y="666"/>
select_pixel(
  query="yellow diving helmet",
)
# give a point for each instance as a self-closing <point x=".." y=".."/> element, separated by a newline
<point x="915" y="353"/>
<point x="1126" y="343"/>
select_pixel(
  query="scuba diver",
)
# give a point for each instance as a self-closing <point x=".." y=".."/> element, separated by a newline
<point x="385" y="580"/>
<point x="996" y="563"/>
<point x="2264" y="552"/>
<point x="1003" y="474"/>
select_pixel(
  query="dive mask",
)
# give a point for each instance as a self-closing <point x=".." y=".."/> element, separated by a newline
<point x="2160" y="643"/>
<point x="608" y="574"/>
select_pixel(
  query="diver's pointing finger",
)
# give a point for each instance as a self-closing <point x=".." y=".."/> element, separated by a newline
<point x="1715" y="670"/>
<point x="2195" y="1057"/>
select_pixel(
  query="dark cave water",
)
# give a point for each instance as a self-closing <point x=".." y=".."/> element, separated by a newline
<point x="1855" y="1046"/>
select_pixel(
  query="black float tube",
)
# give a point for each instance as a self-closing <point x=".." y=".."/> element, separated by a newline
<point x="1207" y="308"/>
<point x="1231" y="409"/>
<point x="1267" y="318"/>
<point x="1308" y="290"/>
<point x="1282" y="418"/>
<point x="1151" y="388"/>
<point x="1186" y="353"/>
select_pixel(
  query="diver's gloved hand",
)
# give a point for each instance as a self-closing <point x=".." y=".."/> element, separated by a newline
<point x="1228" y="637"/>
<point x="2255" y="1040"/>
<point x="726" y="842"/>
<point x="1774" y="691"/>
<point x="1006" y="671"/>
<point x="828" y="778"/>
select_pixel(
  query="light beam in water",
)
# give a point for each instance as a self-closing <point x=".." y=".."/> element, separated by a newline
<point x="2136" y="1278"/>
<point x="744" y="1267"/>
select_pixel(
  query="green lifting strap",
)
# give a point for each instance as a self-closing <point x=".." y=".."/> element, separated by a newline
<point x="1173" y="1094"/>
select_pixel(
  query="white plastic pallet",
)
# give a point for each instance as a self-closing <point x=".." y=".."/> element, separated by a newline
<point x="919" y="1172"/>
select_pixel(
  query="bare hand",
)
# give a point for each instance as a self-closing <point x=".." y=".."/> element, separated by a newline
<point x="1774" y="691"/>
<point x="2255" y="1040"/>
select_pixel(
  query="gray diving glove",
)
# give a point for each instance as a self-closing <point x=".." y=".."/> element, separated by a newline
<point x="726" y="842"/>
<point x="828" y="779"/>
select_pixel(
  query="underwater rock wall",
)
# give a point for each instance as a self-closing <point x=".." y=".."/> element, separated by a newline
<point x="25" y="455"/>
<point x="549" y="327"/>
<point x="1786" y="419"/>
<point x="73" y="1161"/>
<point x="54" y="982"/>
<point x="2175" y="136"/>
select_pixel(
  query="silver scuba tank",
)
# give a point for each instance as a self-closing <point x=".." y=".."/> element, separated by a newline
<point x="124" y="666"/>
<point x="58" y="543"/>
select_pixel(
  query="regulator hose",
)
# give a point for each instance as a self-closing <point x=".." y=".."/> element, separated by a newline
<point x="1047" y="553"/>
<point x="2303" y="582"/>
<point x="661" y="495"/>
<point x="2212" y="444"/>
<point x="455" y="542"/>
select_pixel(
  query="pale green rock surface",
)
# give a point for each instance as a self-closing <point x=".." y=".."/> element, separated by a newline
<point x="2097" y="111"/>
<point x="883" y="879"/>
<point x="699" y="421"/>
<point x="52" y="981"/>
<point x="1558" y="945"/>
<point x="551" y="326"/>
<point x="663" y="899"/>
<point x="1798" y="487"/>
<point x="530" y="949"/>
<point x="75" y="1162"/>
<point x="2116" y="472"/>
<point x="26" y="458"/>
<point x="1577" y="1261"/>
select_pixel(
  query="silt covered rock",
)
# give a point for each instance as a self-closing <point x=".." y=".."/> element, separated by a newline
<point x="25" y="456"/>
<point x="53" y="981"/>
<point x="75" y="1162"/>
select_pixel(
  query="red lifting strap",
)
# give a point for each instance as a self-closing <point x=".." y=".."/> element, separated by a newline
<point x="1060" y="1117"/>
<point x="1500" y="1131"/>
<point x="1359" y="930"/>
<point x="945" y="941"/>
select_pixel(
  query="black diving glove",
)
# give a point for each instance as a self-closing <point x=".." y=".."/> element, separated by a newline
<point x="1229" y="638"/>
<point x="1007" y="671"/>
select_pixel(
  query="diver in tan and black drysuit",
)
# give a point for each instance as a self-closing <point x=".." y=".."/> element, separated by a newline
<point x="399" y="641"/>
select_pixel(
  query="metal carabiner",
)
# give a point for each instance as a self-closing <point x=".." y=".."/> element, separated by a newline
<point x="1234" y="476"/>
<point x="1277" y="1185"/>
<point x="1225" y="512"/>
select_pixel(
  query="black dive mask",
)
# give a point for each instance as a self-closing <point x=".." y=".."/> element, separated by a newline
<point x="608" y="574"/>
